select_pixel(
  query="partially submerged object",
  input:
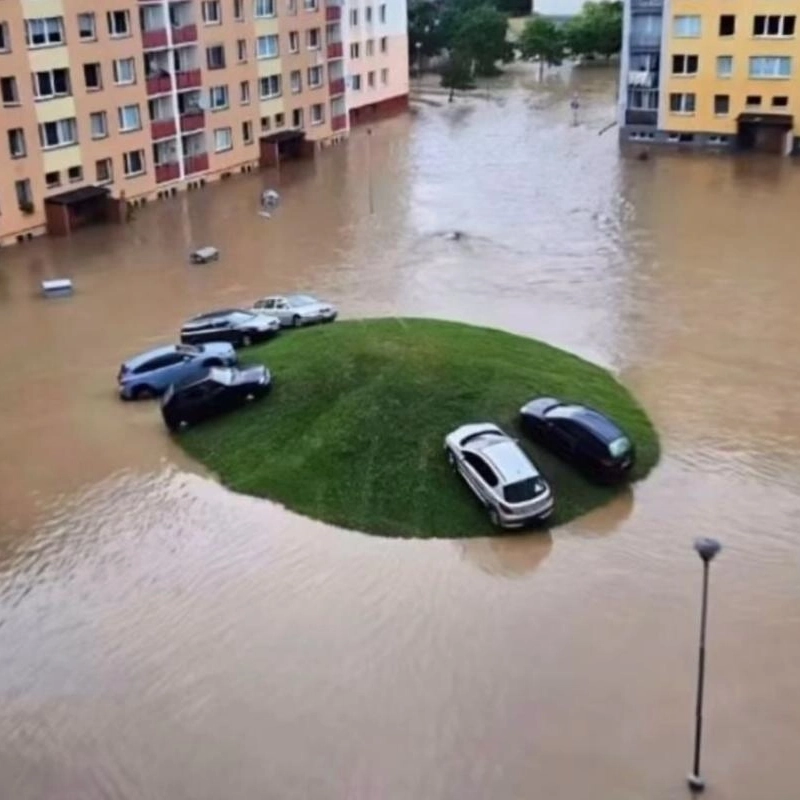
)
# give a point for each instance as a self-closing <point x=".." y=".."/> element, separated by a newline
<point x="58" y="287"/>
<point x="203" y="255"/>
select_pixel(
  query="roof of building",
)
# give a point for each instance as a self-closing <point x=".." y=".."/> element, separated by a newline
<point x="75" y="196"/>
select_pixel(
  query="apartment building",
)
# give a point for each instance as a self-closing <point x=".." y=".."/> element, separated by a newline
<point x="710" y="74"/>
<point x="136" y="99"/>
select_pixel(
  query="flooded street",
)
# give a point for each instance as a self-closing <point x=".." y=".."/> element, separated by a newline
<point x="161" y="637"/>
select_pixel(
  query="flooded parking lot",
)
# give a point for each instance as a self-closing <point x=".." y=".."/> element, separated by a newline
<point x="163" y="638"/>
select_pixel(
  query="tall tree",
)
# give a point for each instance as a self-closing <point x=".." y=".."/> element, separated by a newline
<point x="541" y="38"/>
<point x="480" y="35"/>
<point x="597" y="30"/>
<point x="457" y="74"/>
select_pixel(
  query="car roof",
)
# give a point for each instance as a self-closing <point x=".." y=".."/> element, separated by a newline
<point x="504" y="454"/>
<point x="141" y="358"/>
<point x="600" y="425"/>
<point x="222" y="312"/>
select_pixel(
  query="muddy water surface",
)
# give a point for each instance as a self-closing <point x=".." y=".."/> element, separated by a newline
<point x="163" y="638"/>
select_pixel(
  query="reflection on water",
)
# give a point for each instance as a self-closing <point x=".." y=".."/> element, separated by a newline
<point x="161" y="637"/>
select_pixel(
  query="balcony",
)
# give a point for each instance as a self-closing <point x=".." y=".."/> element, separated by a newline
<point x="162" y="128"/>
<point x="188" y="79"/>
<point x="642" y="78"/>
<point x="335" y="50"/>
<point x="337" y="86"/>
<point x="154" y="38"/>
<point x="197" y="163"/>
<point x="645" y="41"/>
<point x="646" y="5"/>
<point x="159" y="84"/>
<point x="333" y="13"/>
<point x="637" y="116"/>
<point x="184" y="34"/>
<point x="168" y="172"/>
<point x="192" y="121"/>
<point x="339" y="123"/>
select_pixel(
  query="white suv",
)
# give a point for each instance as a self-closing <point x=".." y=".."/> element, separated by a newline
<point x="502" y="477"/>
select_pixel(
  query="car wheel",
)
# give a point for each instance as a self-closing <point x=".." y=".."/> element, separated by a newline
<point x="296" y="321"/>
<point x="494" y="517"/>
<point x="142" y="393"/>
<point x="247" y="340"/>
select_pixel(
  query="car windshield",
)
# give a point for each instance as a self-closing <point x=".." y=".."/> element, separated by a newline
<point x="524" y="490"/>
<point x="238" y="317"/>
<point x="188" y="350"/>
<point x="297" y="300"/>
<point x="619" y="446"/>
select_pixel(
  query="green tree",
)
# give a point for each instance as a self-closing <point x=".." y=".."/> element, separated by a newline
<point x="597" y="30"/>
<point x="541" y="38"/>
<point x="457" y="74"/>
<point x="425" y="30"/>
<point x="480" y="35"/>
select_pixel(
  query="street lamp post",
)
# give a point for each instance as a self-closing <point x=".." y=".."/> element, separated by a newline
<point x="419" y="59"/>
<point x="706" y="549"/>
<point x="369" y="171"/>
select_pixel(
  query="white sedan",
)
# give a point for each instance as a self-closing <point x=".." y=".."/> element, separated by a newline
<point x="295" y="310"/>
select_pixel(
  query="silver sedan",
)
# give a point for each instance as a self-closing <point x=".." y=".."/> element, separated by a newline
<point x="295" y="310"/>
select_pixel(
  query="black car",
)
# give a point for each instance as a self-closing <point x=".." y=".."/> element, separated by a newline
<point x="218" y="391"/>
<point x="240" y="328"/>
<point x="581" y="435"/>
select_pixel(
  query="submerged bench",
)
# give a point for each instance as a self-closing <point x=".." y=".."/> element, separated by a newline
<point x="204" y="255"/>
<point x="57" y="287"/>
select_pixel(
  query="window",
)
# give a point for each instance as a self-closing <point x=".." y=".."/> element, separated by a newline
<point x="770" y="66"/>
<point x="44" y="31"/>
<point x="92" y="77"/>
<point x="384" y="76"/>
<point x="218" y="97"/>
<point x="119" y="23"/>
<point x="75" y="174"/>
<point x="129" y="118"/>
<point x="291" y="7"/>
<point x="722" y="104"/>
<point x="353" y="17"/>
<point x="16" y="142"/>
<point x="264" y="124"/>
<point x="773" y="25"/>
<point x="317" y="114"/>
<point x="371" y="79"/>
<point x="241" y="50"/>
<point x="294" y="42"/>
<point x="727" y="24"/>
<point x="368" y="14"/>
<point x="124" y="70"/>
<point x="223" y="140"/>
<point x="384" y="44"/>
<point x="61" y="133"/>
<point x="52" y="179"/>
<point x="279" y="120"/>
<point x="315" y="77"/>
<point x="313" y="39"/>
<point x="354" y="50"/>
<point x="269" y="87"/>
<point x="682" y="102"/>
<point x="717" y="139"/>
<point x="8" y="91"/>
<point x="24" y="194"/>
<point x="238" y="10"/>
<point x="686" y="26"/>
<point x="297" y="118"/>
<point x="212" y="13"/>
<point x="311" y="5"/>
<point x="264" y="8"/>
<point x="215" y="56"/>
<point x="247" y="132"/>
<point x="133" y="163"/>
<point x="104" y="170"/>
<point x="87" y="28"/>
<point x="369" y="47"/>
<point x="753" y="100"/>
<point x="355" y="82"/>
<point x="481" y="468"/>
<point x="382" y="13"/>
<point x="267" y="46"/>
<point x="724" y="66"/>
<point x="5" y="41"/>
<point x="684" y="65"/>
<point x="244" y="93"/>
<point x="99" y="124"/>
<point x="296" y="81"/>
<point x="780" y="101"/>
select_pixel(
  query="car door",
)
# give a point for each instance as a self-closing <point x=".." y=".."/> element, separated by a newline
<point x="480" y="476"/>
<point x="282" y="311"/>
<point x="163" y="370"/>
<point x="562" y="436"/>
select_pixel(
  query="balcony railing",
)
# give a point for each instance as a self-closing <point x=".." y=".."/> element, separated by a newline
<point x="184" y="34"/>
<point x="333" y="13"/>
<point x="643" y="78"/>
<point x="635" y="116"/>
<point x="337" y="86"/>
<point x="340" y="122"/>
<point x="162" y="128"/>
<point x="193" y="164"/>
<point x="188" y="79"/>
<point x="645" y="41"/>
<point x="168" y="172"/>
<point x="646" y="5"/>
<point x="192" y="121"/>
<point x="335" y="50"/>
<point x="159" y="84"/>
<point x="154" y="38"/>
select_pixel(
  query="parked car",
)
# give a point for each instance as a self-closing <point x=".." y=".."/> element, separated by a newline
<point x="153" y="372"/>
<point x="240" y="328"/>
<point x="500" y="475"/>
<point x="215" y="392"/>
<point x="295" y="310"/>
<point x="580" y="435"/>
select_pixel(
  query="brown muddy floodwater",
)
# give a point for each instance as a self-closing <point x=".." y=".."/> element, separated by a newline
<point x="162" y="638"/>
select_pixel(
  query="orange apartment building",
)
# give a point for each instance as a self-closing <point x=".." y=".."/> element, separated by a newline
<point x="128" y="101"/>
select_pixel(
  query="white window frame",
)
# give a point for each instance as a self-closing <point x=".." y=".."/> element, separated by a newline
<point x="371" y="79"/>
<point x="781" y="25"/>
<point x="241" y="51"/>
<point x="384" y="44"/>
<point x="136" y="111"/>
<point x="54" y="184"/>
<point x="382" y="13"/>
<point x="98" y="72"/>
<point x="316" y="46"/>
<point x="117" y="70"/>
<point x="294" y="41"/>
<point x="355" y="50"/>
<point x="45" y="23"/>
<point x="315" y="70"/>
<point x="91" y="17"/>
<point x="320" y="119"/>
<point x="67" y="133"/>
<point x="296" y="81"/>
<point x="70" y="178"/>
<point x="109" y="162"/>
<point x="770" y="75"/>
<point x="247" y="132"/>
<point x="238" y="10"/>
<point x="355" y="82"/>
<point x="24" y="192"/>
<point x="126" y="163"/>
<point x="268" y="46"/>
<point x="685" y="64"/>
<point x="684" y="103"/>
<point x="244" y="93"/>
<point x="353" y="17"/>
<point x="311" y="5"/>
<point x="98" y="115"/>
<point x="113" y="31"/>
<point x="679" y="20"/>
<point x="17" y="135"/>
<point x="226" y="146"/>
<point x="729" y="61"/>
<point x="222" y="63"/>
<point x="385" y="76"/>
<point x="298" y="112"/>
<point x="209" y="6"/>
<point x="215" y="92"/>
<point x="264" y="9"/>
<point x="270" y="80"/>
<point x="5" y="38"/>
<point x="714" y="105"/>
<point x="15" y="86"/>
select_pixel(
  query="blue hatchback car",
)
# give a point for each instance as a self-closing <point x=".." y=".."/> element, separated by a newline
<point x="153" y="372"/>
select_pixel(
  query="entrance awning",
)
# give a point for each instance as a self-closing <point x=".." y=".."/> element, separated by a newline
<point x="774" y="120"/>
<point x="284" y="136"/>
<point x="75" y="197"/>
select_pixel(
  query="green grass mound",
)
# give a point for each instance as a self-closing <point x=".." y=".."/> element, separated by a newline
<point x="353" y="430"/>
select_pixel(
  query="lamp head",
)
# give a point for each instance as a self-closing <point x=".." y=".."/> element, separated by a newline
<point x="707" y="548"/>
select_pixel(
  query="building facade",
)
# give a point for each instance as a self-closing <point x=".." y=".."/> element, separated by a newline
<point x="709" y="74"/>
<point x="141" y="98"/>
